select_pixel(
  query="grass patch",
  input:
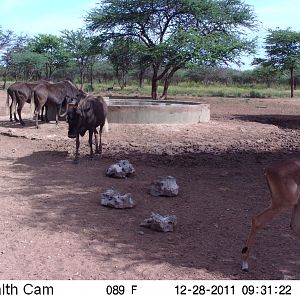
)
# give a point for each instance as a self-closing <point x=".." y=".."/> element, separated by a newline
<point x="200" y="90"/>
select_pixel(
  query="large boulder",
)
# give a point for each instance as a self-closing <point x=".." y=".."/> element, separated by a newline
<point x="112" y="198"/>
<point x="121" y="169"/>
<point x="158" y="222"/>
<point x="164" y="186"/>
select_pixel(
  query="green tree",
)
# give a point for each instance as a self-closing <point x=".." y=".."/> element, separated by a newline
<point x="283" y="52"/>
<point x="266" y="74"/>
<point x="177" y="32"/>
<point x="53" y="48"/>
<point x="29" y="63"/>
<point x="121" y="54"/>
<point x="6" y="38"/>
<point x="81" y="48"/>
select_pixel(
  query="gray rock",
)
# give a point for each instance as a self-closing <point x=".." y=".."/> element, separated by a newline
<point x="114" y="199"/>
<point x="121" y="169"/>
<point x="160" y="223"/>
<point x="164" y="186"/>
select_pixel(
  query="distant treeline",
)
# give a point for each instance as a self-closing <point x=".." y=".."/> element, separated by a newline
<point x="161" y="43"/>
<point x="103" y="72"/>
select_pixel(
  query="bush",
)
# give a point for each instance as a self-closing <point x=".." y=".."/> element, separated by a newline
<point x="255" y="94"/>
<point x="88" y="88"/>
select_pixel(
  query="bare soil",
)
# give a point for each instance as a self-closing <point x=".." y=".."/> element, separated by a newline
<point x="53" y="226"/>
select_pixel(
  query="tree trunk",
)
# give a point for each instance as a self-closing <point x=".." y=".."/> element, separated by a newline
<point x="292" y="82"/>
<point x="91" y="79"/>
<point x="81" y="78"/>
<point x="141" y="78"/>
<point x="123" y="79"/>
<point x="166" y="87"/>
<point x="154" y="83"/>
<point x="167" y="82"/>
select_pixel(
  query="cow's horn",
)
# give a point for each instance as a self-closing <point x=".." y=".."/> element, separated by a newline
<point x="62" y="115"/>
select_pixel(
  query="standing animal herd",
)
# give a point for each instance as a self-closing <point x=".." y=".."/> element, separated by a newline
<point x="84" y="112"/>
<point x="87" y="113"/>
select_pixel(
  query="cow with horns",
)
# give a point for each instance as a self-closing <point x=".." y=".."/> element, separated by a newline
<point x="86" y="114"/>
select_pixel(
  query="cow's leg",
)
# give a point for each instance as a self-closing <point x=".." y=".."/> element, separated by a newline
<point x="13" y="108"/>
<point x="10" y="112"/>
<point x="77" y="147"/>
<point x="36" y="113"/>
<point x="19" y="110"/>
<point x="100" y="141"/>
<point x="56" y="115"/>
<point x="39" y="103"/>
<point x="41" y="116"/>
<point x="46" y="113"/>
<point x="91" y="132"/>
<point x="96" y="142"/>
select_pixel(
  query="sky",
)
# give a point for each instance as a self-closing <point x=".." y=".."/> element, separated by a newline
<point x="52" y="16"/>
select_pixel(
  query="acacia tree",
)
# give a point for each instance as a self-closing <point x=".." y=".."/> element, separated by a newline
<point x="5" y="38"/>
<point x="82" y="49"/>
<point x="283" y="52"/>
<point x="52" y="47"/>
<point x="122" y="55"/>
<point x="28" y="63"/>
<point x="176" y="32"/>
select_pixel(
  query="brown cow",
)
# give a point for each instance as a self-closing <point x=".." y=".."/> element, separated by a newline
<point x="20" y="93"/>
<point x="86" y="115"/>
<point x="55" y="93"/>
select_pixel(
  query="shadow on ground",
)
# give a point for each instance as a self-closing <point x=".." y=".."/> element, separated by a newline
<point x="282" y="121"/>
<point x="218" y="196"/>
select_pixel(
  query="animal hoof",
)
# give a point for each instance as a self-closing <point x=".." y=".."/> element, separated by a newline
<point x="245" y="267"/>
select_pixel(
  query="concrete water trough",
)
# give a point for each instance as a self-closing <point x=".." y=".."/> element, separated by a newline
<point x="134" y="111"/>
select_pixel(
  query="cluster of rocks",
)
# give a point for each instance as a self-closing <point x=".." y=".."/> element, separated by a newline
<point x="165" y="186"/>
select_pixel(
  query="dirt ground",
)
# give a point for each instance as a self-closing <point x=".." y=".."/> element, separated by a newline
<point x="53" y="226"/>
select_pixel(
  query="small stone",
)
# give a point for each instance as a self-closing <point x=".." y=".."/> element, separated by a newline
<point x="114" y="199"/>
<point x="121" y="169"/>
<point x="164" y="186"/>
<point x="160" y="223"/>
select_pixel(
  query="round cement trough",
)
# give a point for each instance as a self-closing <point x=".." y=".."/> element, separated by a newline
<point x="157" y="112"/>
